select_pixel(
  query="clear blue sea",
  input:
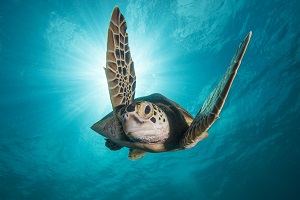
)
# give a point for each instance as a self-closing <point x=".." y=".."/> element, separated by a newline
<point x="53" y="88"/>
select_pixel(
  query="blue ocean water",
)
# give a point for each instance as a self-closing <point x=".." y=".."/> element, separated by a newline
<point x="53" y="88"/>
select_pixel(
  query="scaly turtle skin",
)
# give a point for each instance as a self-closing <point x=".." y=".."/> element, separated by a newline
<point x="153" y="123"/>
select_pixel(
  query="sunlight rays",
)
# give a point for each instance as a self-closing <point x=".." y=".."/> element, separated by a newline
<point x="77" y="73"/>
<point x="153" y="61"/>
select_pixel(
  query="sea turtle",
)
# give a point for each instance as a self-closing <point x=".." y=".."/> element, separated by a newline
<point x="153" y="123"/>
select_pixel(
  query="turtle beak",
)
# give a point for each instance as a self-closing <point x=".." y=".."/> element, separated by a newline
<point x="132" y="136"/>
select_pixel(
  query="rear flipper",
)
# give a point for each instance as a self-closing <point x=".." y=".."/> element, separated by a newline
<point x="212" y="107"/>
<point x="112" y="145"/>
<point x="135" y="154"/>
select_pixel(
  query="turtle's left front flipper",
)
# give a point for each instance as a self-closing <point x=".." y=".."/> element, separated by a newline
<point x="212" y="107"/>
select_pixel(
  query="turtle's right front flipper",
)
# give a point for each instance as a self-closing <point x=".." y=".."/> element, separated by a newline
<point x="119" y="69"/>
<point x="212" y="107"/>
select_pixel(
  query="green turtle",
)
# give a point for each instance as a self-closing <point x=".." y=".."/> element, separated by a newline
<point x="153" y="123"/>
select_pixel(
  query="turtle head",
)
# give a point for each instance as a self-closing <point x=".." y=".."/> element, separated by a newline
<point x="145" y="122"/>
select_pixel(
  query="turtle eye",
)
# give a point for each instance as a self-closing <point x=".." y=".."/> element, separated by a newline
<point x="147" y="109"/>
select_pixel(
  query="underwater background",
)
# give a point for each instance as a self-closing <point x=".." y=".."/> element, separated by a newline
<point x="53" y="88"/>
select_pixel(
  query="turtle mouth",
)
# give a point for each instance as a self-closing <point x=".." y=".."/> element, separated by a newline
<point x="139" y="133"/>
<point x="142" y="136"/>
